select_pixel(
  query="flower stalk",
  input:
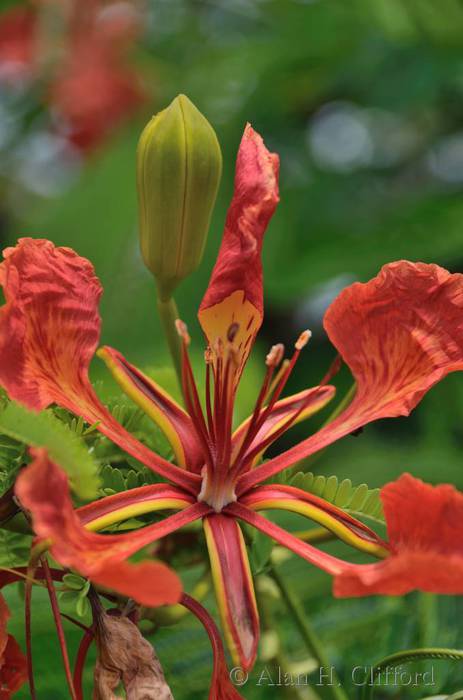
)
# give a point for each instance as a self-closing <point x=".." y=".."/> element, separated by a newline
<point x="168" y="314"/>
<point x="308" y="634"/>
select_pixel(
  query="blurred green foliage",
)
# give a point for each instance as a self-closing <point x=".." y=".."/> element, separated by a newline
<point x="363" y="102"/>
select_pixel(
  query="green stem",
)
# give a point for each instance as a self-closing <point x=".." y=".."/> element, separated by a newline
<point x="308" y="634"/>
<point x="278" y="658"/>
<point x="427" y="618"/>
<point x="168" y="313"/>
<point x="405" y="656"/>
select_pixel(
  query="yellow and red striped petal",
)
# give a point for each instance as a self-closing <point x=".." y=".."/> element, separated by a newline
<point x="221" y="686"/>
<point x="49" y="330"/>
<point x="399" y="334"/>
<point x="425" y="528"/>
<point x="234" y="294"/>
<point x="234" y="587"/>
<point x="43" y="489"/>
<point x="173" y="420"/>
<point x="310" y="401"/>
<point x="343" y="525"/>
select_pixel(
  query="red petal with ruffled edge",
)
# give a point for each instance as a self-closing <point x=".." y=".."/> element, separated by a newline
<point x="399" y="334"/>
<point x="234" y="587"/>
<point x="49" y="330"/>
<point x="221" y="687"/>
<point x="425" y="528"/>
<point x="234" y="294"/>
<point x="13" y="667"/>
<point x="43" y="489"/>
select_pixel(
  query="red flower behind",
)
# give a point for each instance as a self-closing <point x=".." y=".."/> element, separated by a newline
<point x="13" y="668"/>
<point x="89" y="83"/>
<point x="425" y="528"/>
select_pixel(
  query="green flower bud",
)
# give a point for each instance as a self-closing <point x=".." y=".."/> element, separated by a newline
<point x="179" y="165"/>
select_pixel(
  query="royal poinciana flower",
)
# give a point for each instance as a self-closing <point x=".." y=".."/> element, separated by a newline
<point x="399" y="334"/>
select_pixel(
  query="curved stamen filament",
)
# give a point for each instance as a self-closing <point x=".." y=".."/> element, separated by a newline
<point x="260" y="416"/>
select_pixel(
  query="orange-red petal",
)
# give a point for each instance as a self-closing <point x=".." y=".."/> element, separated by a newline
<point x="234" y="587"/>
<point x="234" y="294"/>
<point x="43" y="489"/>
<point x="399" y="334"/>
<point x="13" y="668"/>
<point x="49" y="330"/>
<point x="425" y="528"/>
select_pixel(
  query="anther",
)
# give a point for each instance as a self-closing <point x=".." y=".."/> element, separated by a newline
<point x="182" y="330"/>
<point x="303" y="340"/>
<point x="232" y="331"/>
<point x="208" y="355"/>
<point x="275" y="355"/>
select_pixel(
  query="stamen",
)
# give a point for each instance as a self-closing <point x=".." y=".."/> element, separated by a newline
<point x="260" y="416"/>
<point x="275" y="355"/>
<point x="303" y="339"/>
<point x="182" y="330"/>
<point x="333" y="369"/>
<point x="190" y="393"/>
<point x="277" y="377"/>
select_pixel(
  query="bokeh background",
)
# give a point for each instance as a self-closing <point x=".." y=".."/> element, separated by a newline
<point x="364" y="103"/>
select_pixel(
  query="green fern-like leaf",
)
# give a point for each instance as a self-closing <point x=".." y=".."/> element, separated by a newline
<point x="65" y="447"/>
<point x="115" y="480"/>
<point x="12" y="455"/>
<point x="357" y="500"/>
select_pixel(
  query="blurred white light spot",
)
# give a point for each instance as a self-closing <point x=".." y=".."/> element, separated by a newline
<point x="339" y="137"/>
<point x="395" y="137"/>
<point x="46" y="164"/>
<point x="445" y="160"/>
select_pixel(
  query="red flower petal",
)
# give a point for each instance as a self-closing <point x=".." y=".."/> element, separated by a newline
<point x="234" y="294"/>
<point x="233" y="587"/>
<point x="43" y="489"/>
<point x="13" y="668"/>
<point x="425" y="527"/>
<point x="49" y="330"/>
<point x="400" y="333"/>
<point x="221" y="687"/>
<point x="17" y="43"/>
<point x="95" y="91"/>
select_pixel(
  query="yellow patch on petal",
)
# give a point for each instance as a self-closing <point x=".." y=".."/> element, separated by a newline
<point x="131" y="511"/>
<point x="217" y="320"/>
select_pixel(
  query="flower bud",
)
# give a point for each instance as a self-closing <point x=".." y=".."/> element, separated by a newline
<point x="179" y="164"/>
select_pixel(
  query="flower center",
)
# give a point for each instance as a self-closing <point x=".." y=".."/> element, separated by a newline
<point x="228" y="455"/>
